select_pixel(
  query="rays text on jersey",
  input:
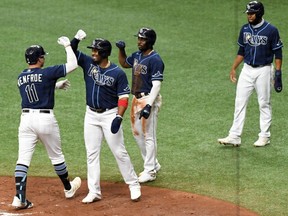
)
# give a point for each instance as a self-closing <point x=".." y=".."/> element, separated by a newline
<point x="255" y="40"/>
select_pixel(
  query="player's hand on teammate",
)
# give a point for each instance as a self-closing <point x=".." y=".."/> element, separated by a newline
<point x="63" y="40"/>
<point x="120" y="44"/>
<point x="63" y="84"/>
<point x="145" y="112"/>
<point x="278" y="81"/>
<point x="80" y="35"/>
<point x="116" y="124"/>
<point x="233" y="77"/>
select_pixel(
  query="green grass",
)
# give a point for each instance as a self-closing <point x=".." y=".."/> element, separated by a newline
<point x="197" y="41"/>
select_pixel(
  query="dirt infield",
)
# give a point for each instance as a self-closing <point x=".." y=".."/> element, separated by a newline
<point x="48" y="199"/>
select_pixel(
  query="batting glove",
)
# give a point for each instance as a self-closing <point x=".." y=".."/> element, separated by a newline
<point x="145" y="112"/>
<point x="80" y="35"/>
<point x="64" y="41"/>
<point x="278" y="81"/>
<point x="120" y="44"/>
<point x="63" y="84"/>
<point x="116" y="124"/>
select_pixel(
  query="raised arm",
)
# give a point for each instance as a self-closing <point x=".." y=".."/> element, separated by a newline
<point x="80" y="35"/>
<point x="122" y="54"/>
<point x="71" y="63"/>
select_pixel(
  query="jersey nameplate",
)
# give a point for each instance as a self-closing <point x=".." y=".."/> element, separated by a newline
<point x="29" y="78"/>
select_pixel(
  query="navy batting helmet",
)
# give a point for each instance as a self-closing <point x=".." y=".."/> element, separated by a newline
<point x="103" y="46"/>
<point x="33" y="53"/>
<point x="148" y="34"/>
<point x="255" y="7"/>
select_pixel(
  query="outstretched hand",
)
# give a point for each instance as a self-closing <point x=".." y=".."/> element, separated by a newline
<point x="63" y="84"/>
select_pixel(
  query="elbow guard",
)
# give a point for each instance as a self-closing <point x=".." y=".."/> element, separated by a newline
<point x="123" y="102"/>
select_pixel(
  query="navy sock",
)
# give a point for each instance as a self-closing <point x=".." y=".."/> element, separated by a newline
<point x="61" y="171"/>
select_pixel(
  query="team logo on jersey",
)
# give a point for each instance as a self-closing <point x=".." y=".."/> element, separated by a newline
<point x="254" y="40"/>
<point x="139" y="68"/>
<point x="279" y="43"/>
<point x="127" y="89"/>
<point x="157" y="75"/>
<point x="94" y="70"/>
<point x="100" y="79"/>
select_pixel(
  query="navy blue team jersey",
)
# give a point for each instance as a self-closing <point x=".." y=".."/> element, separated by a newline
<point x="259" y="44"/>
<point x="37" y="86"/>
<point x="145" y="70"/>
<point x="103" y="85"/>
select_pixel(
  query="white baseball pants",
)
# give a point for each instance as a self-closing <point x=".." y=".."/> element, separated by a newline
<point x="96" y="127"/>
<point x="36" y="126"/>
<point x="259" y="79"/>
<point x="144" y="130"/>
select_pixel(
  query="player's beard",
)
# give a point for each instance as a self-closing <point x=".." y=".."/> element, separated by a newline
<point x="256" y="21"/>
<point x="143" y="48"/>
<point x="97" y="59"/>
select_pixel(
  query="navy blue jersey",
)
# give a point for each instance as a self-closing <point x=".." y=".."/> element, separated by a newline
<point x="103" y="85"/>
<point x="145" y="70"/>
<point x="259" y="44"/>
<point x="37" y="86"/>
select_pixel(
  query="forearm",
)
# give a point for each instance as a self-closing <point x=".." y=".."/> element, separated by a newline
<point x="154" y="92"/>
<point x="237" y="62"/>
<point x="74" y="44"/>
<point x="278" y="64"/>
<point x="71" y="60"/>
<point x="122" y="58"/>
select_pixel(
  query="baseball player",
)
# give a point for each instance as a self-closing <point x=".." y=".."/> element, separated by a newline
<point x="107" y="94"/>
<point x="147" y="75"/>
<point x="259" y="42"/>
<point x="36" y="85"/>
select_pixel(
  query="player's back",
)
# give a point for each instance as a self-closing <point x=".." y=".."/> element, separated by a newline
<point x="37" y="86"/>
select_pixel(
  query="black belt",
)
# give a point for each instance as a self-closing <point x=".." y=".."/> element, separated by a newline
<point x="40" y="111"/>
<point x="141" y="94"/>
<point x="256" y="66"/>
<point x="98" y="110"/>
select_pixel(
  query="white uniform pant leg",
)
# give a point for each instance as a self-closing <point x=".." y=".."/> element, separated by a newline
<point x="49" y="134"/>
<point x="244" y="89"/>
<point x="118" y="149"/>
<point x="93" y="136"/>
<point x="263" y="90"/>
<point x="144" y="131"/>
<point x="136" y="125"/>
<point x="27" y="139"/>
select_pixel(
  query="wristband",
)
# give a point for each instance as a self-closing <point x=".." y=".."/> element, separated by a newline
<point x="119" y="116"/>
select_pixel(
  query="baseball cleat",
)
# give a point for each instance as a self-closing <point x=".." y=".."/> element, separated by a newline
<point x="230" y="141"/>
<point x="157" y="169"/>
<point x="90" y="198"/>
<point x="75" y="185"/>
<point x="17" y="204"/>
<point x="135" y="193"/>
<point x="262" y="141"/>
<point x="147" y="177"/>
